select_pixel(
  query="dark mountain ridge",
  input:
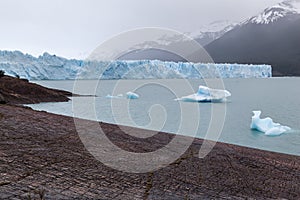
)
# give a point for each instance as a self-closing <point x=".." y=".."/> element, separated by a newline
<point x="274" y="41"/>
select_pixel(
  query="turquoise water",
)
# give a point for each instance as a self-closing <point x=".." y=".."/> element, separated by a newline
<point x="278" y="98"/>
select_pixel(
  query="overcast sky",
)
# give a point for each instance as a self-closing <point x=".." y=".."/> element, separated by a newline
<point x="74" y="28"/>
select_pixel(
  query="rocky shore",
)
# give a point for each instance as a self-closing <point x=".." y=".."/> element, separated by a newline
<point x="21" y="91"/>
<point x="42" y="157"/>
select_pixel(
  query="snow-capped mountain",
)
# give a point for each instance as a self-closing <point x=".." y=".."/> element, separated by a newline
<point x="271" y="37"/>
<point x="152" y="49"/>
<point x="276" y="12"/>
<point x="53" y="67"/>
<point x="204" y="35"/>
<point x="212" y="31"/>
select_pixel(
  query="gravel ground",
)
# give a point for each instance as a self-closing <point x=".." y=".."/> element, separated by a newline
<point x="42" y="157"/>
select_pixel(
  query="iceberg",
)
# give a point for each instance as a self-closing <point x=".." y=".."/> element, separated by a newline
<point x="267" y="125"/>
<point x="119" y="96"/>
<point x="206" y="94"/>
<point x="132" y="95"/>
<point x="52" y="67"/>
<point x="129" y="95"/>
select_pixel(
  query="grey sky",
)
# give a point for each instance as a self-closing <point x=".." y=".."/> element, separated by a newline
<point x="73" y="28"/>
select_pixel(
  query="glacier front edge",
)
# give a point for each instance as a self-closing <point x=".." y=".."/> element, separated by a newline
<point x="51" y="67"/>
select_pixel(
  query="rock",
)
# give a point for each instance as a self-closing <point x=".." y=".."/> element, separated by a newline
<point x="2" y="100"/>
<point x="20" y="91"/>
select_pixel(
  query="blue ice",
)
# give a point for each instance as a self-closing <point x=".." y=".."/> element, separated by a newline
<point x="132" y="95"/>
<point x="267" y="125"/>
<point x="206" y="94"/>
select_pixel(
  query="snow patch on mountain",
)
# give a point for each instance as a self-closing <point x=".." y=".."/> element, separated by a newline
<point x="276" y="12"/>
<point x="216" y="29"/>
<point x="211" y="31"/>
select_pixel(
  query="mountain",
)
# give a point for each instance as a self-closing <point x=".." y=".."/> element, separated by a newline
<point x="272" y="37"/>
<point x="47" y="66"/>
<point x="208" y="33"/>
<point x="204" y="35"/>
<point x="286" y="9"/>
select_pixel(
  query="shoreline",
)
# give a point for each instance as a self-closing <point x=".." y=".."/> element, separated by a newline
<point x="42" y="157"/>
<point x="292" y="152"/>
<point x="145" y="129"/>
<point x="42" y="153"/>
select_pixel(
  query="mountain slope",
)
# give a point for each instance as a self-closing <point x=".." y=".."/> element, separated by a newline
<point x="205" y="35"/>
<point x="285" y="9"/>
<point x="272" y="37"/>
<point x="212" y="31"/>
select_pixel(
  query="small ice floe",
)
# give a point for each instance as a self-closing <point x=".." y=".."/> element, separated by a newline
<point x="267" y="125"/>
<point x="119" y="96"/>
<point x="132" y="95"/>
<point x="206" y="94"/>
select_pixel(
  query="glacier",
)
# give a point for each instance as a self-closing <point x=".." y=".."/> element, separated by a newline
<point x="52" y="67"/>
<point x="206" y="94"/>
<point x="267" y="125"/>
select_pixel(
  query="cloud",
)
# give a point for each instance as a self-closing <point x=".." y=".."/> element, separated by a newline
<point x="74" y="27"/>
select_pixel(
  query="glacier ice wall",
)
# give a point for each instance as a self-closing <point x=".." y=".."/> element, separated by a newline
<point x="51" y="67"/>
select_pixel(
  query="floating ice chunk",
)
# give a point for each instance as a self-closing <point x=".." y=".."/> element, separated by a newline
<point x="277" y="130"/>
<point x="267" y="125"/>
<point x="262" y="125"/>
<point x="119" y="96"/>
<point x="132" y="95"/>
<point x="206" y="94"/>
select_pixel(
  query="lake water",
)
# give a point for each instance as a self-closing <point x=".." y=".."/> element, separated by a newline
<point x="278" y="98"/>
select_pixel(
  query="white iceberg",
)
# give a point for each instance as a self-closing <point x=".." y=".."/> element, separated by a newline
<point x="267" y="125"/>
<point x="132" y="95"/>
<point x="206" y="94"/>
<point x="119" y="96"/>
